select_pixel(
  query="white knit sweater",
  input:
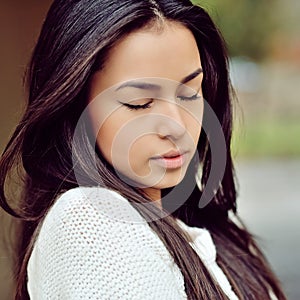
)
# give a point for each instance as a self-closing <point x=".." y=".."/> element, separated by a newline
<point x="94" y="245"/>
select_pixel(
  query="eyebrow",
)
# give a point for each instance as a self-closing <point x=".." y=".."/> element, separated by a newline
<point x="155" y="87"/>
<point x="139" y="85"/>
<point x="191" y="76"/>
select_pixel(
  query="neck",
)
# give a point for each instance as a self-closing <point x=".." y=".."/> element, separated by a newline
<point x="154" y="195"/>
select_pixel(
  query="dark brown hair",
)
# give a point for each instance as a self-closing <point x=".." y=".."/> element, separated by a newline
<point x="74" y="42"/>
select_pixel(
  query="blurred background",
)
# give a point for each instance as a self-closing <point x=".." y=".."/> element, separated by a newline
<point x="263" y="39"/>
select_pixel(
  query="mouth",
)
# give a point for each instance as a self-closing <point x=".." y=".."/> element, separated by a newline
<point x="171" y="159"/>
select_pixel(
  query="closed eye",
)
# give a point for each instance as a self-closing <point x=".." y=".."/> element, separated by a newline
<point x="137" y="106"/>
<point x="190" y="98"/>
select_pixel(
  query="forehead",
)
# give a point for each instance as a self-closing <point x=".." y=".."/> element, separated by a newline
<point x="168" y="52"/>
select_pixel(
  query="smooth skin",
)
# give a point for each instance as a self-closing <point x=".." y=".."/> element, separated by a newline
<point x="146" y="106"/>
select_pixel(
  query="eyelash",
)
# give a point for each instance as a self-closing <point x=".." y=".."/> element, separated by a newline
<point x="191" y="98"/>
<point x="148" y="104"/>
<point x="137" y="107"/>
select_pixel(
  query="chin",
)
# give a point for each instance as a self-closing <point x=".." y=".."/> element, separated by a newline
<point x="169" y="182"/>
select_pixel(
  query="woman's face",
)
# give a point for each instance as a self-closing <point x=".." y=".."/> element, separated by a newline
<point x="148" y="106"/>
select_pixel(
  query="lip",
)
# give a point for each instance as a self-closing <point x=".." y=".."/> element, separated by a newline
<point x="171" y="160"/>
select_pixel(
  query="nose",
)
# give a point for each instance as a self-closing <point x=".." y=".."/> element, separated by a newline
<point x="171" y="122"/>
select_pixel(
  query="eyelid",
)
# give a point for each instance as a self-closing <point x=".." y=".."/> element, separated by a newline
<point x="195" y="96"/>
<point x="137" y="106"/>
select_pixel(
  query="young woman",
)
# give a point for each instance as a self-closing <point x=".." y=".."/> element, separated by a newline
<point x="123" y="195"/>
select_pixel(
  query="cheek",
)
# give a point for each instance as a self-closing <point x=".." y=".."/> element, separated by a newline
<point x="105" y="141"/>
<point x="193" y="121"/>
<point x="138" y="155"/>
<point x="123" y="147"/>
<point x="195" y="131"/>
<point x="107" y="135"/>
<point x="194" y="134"/>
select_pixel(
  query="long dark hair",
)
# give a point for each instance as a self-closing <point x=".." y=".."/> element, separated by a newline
<point x="75" y="40"/>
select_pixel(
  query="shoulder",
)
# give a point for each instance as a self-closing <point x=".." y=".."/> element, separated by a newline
<point x="93" y="215"/>
<point x="94" y="238"/>
<point x="97" y="202"/>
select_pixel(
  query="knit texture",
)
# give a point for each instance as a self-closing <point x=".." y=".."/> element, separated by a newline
<point x="94" y="245"/>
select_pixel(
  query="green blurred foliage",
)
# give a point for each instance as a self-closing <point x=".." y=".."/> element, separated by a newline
<point x="247" y="25"/>
<point x="265" y="137"/>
